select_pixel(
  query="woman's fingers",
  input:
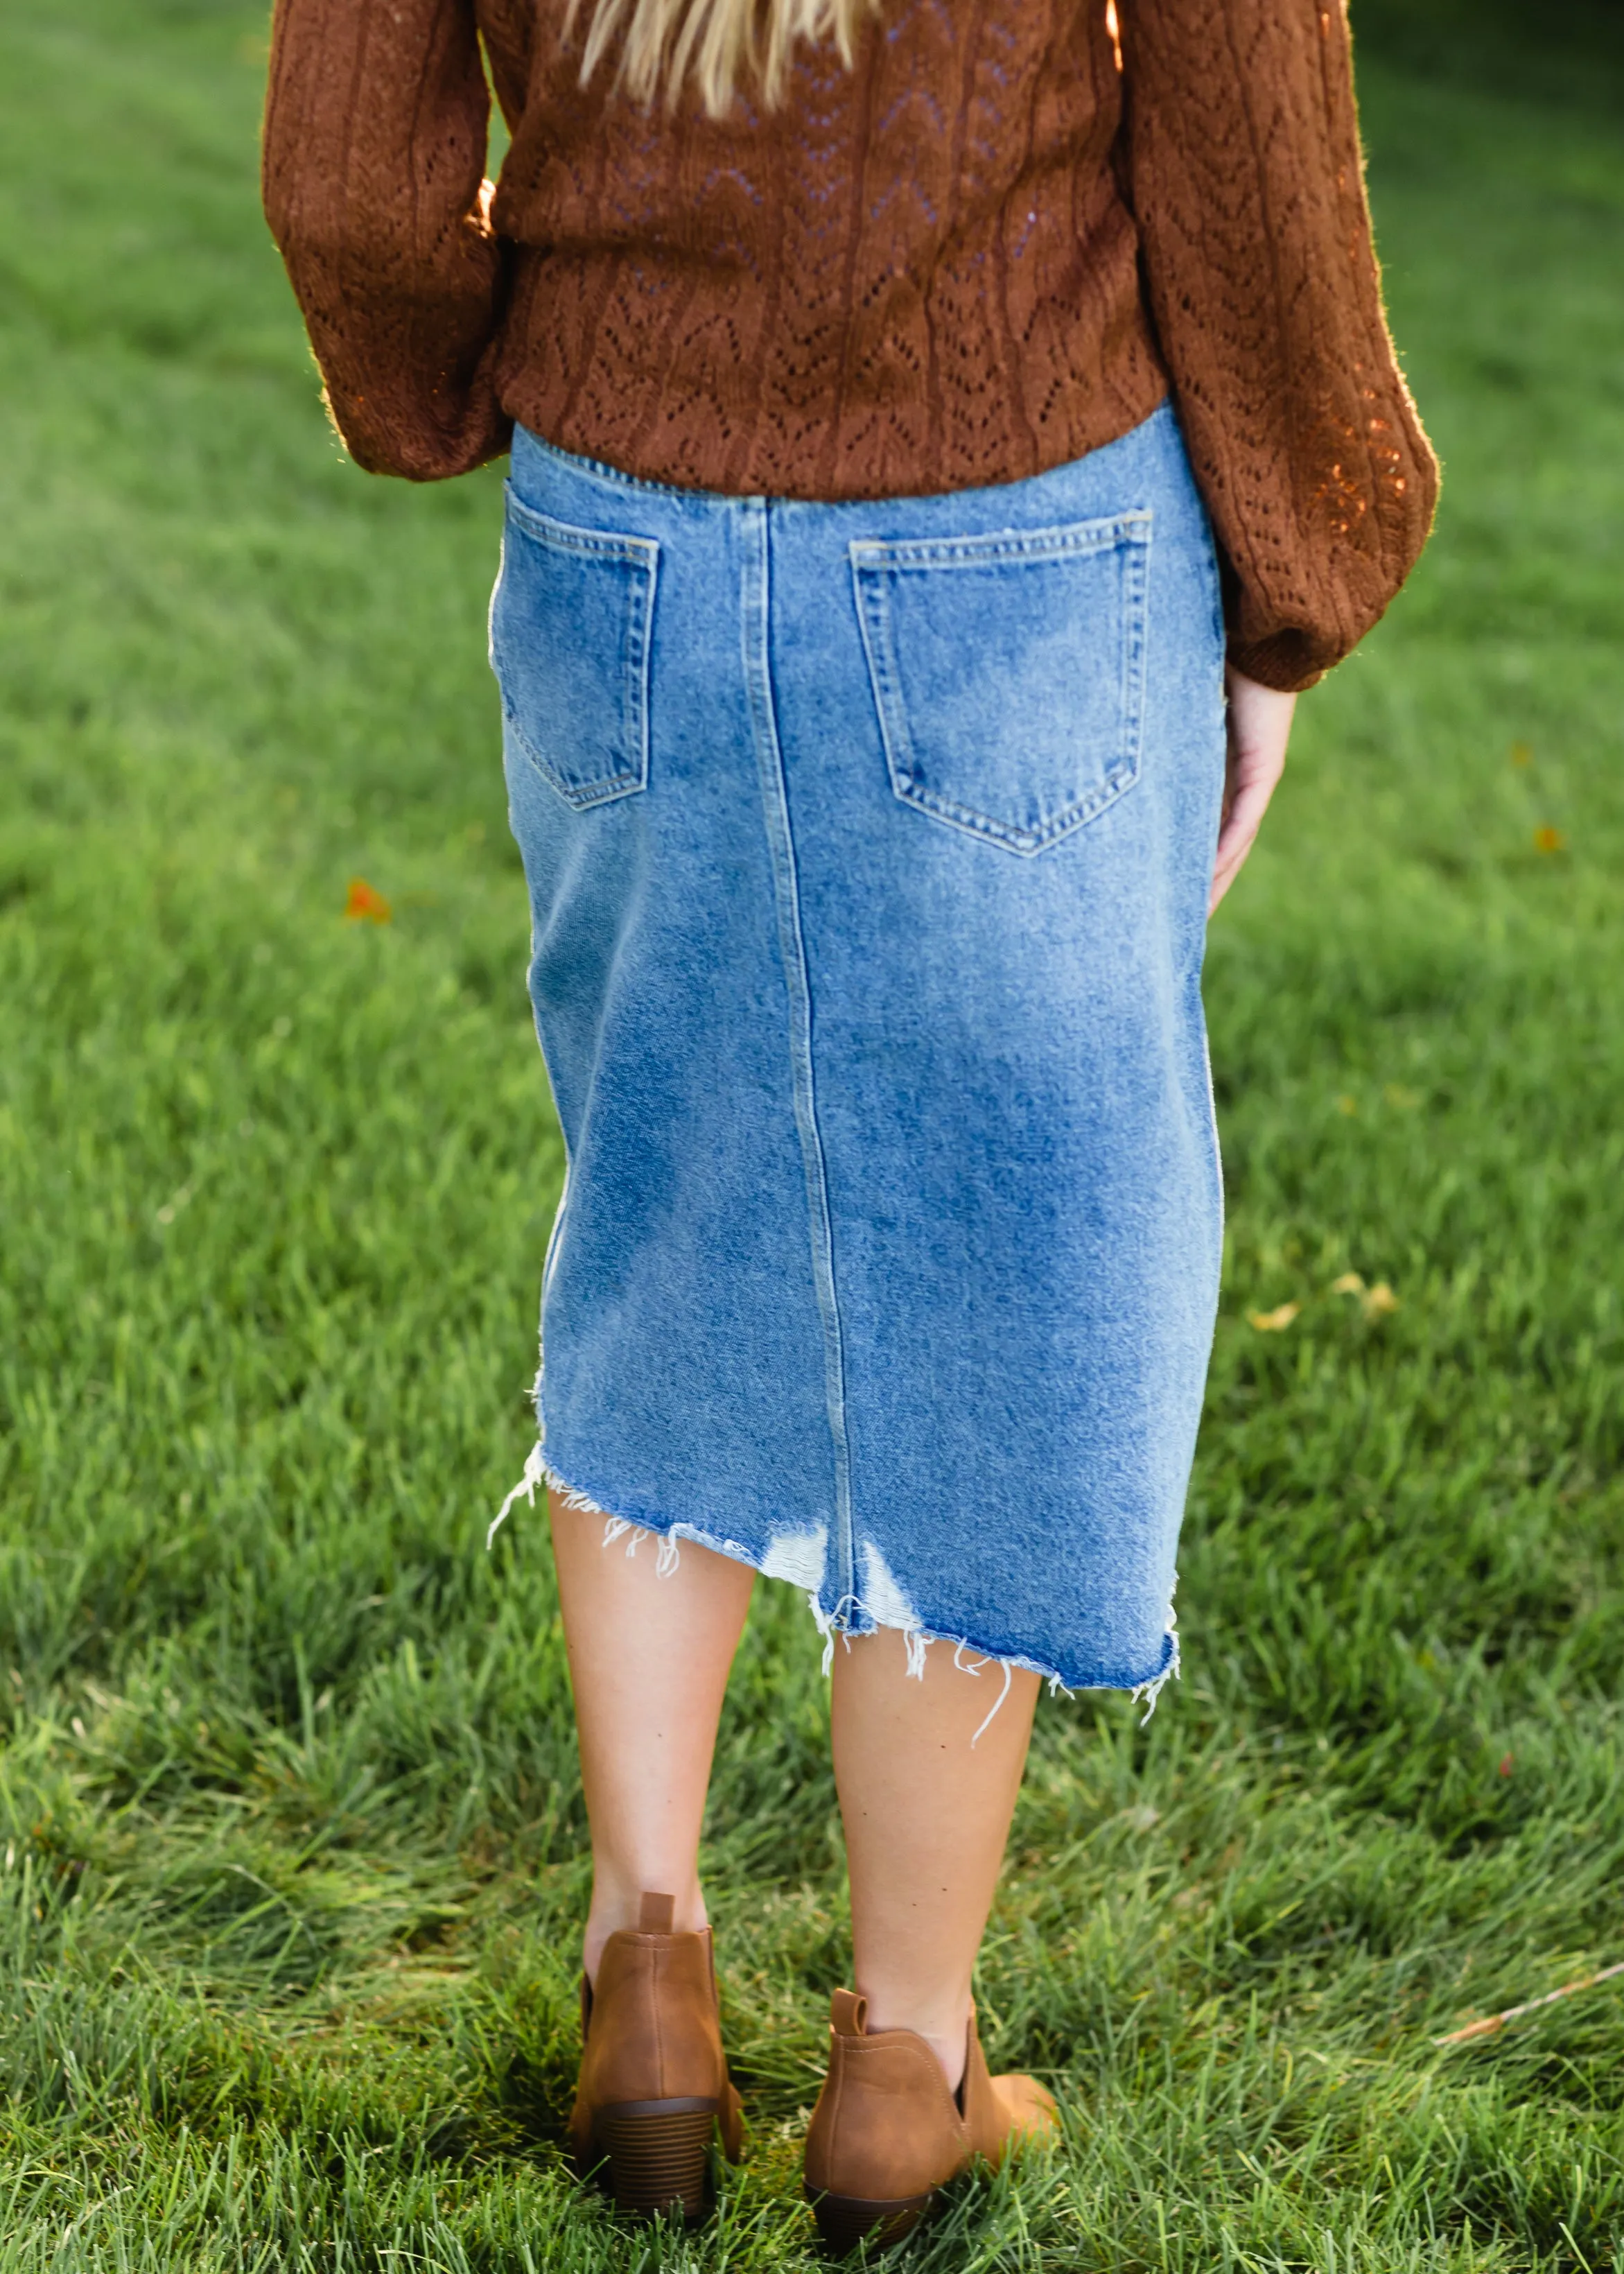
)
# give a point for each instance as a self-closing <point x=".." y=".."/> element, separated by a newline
<point x="1259" y="726"/>
<point x="1248" y="801"/>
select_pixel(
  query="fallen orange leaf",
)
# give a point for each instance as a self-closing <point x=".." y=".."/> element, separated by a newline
<point x="1276" y="1322"/>
<point x="363" y="905"/>
<point x="1550" y="840"/>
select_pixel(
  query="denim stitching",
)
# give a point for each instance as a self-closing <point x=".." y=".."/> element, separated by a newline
<point x="1137" y="578"/>
<point x="1024" y="841"/>
<point x="636" y="553"/>
<point x="1080" y="538"/>
<point x="596" y="469"/>
<point x="563" y="537"/>
<point x="874" y="622"/>
<point x="775" y="802"/>
<point x="872" y="560"/>
<point x="636" y="658"/>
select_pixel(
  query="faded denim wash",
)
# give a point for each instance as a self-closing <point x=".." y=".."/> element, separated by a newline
<point x="868" y="848"/>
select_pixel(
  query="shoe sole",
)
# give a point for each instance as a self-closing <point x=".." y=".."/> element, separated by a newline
<point x="844" y="2221"/>
<point x="657" y="2153"/>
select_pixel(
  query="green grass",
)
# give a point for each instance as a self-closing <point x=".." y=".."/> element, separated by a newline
<point x="289" y="1826"/>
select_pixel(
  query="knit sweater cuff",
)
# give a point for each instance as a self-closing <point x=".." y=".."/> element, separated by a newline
<point x="1285" y="662"/>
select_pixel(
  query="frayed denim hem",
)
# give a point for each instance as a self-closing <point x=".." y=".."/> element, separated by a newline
<point x="853" y="1615"/>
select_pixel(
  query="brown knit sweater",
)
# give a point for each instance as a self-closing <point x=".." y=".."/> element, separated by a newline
<point x="984" y="251"/>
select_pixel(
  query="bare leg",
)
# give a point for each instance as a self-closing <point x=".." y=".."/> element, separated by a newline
<point x="926" y="1818"/>
<point x="648" y="1661"/>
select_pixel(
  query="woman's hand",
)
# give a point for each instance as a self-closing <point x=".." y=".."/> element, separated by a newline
<point x="1260" y="728"/>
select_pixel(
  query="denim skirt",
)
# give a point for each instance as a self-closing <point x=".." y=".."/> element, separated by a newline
<point x="868" y="848"/>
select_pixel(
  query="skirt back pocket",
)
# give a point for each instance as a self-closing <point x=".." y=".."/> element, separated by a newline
<point x="570" y="624"/>
<point x="1009" y="673"/>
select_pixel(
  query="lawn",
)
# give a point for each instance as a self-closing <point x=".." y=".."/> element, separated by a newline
<point x="290" y="1830"/>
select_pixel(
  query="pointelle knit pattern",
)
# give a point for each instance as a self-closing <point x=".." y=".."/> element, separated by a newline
<point x="993" y="245"/>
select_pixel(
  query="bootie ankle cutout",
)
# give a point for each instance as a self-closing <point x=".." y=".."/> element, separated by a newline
<point x="887" y="2133"/>
<point x="654" y="2083"/>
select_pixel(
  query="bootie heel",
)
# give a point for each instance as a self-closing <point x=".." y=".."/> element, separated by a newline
<point x="887" y="2133"/>
<point x="844" y="2221"/>
<point x="654" y="2087"/>
<point x="657" y="2153"/>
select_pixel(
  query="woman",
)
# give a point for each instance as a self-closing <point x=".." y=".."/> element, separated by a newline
<point x="920" y="415"/>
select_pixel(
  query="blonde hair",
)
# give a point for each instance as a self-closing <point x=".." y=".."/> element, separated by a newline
<point x="717" y="44"/>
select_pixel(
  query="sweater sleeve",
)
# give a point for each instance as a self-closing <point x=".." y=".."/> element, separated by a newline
<point x="1247" y="182"/>
<point x="373" y="159"/>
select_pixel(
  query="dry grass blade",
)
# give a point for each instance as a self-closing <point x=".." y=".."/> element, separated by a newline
<point x="1487" y="2025"/>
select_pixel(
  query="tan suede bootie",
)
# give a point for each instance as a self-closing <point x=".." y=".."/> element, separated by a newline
<point x="887" y="2133"/>
<point x="654" y="2083"/>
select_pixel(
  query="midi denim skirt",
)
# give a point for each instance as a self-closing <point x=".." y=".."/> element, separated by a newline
<point x="867" y="848"/>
